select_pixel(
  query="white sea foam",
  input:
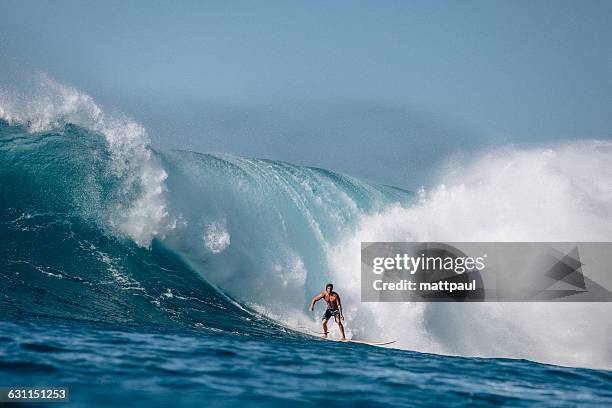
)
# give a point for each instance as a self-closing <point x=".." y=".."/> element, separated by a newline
<point x="557" y="194"/>
<point x="216" y="237"/>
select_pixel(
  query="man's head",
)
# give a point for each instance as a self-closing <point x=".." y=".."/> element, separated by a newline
<point x="329" y="287"/>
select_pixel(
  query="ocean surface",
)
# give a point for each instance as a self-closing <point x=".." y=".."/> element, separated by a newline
<point x="109" y="364"/>
<point x="155" y="278"/>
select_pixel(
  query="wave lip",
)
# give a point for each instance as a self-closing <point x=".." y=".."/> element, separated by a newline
<point x="42" y="104"/>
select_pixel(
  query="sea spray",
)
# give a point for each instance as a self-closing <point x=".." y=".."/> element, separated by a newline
<point x="562" y="193"/>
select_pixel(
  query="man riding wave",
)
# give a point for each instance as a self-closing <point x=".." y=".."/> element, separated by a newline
<point x="334" y="308"/>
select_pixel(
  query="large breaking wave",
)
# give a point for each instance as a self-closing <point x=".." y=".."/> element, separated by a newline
<point x="98" y="225"/>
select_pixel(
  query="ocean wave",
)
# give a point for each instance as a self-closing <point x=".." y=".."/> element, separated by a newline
<point x="234" y="238"/>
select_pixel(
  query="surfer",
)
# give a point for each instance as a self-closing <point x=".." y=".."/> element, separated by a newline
<point x="334" y="308"/>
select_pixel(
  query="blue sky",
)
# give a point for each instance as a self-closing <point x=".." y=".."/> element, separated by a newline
<point x="381" y="90"/>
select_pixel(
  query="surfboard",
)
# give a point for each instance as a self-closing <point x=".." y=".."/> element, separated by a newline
<point x="369" y="343"/>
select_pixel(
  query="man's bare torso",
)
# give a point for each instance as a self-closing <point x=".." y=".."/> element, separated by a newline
<point x="331" y="299"/>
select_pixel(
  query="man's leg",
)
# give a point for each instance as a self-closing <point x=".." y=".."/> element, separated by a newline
<point x="325" y="328"/>
<point x="341" y="327"/>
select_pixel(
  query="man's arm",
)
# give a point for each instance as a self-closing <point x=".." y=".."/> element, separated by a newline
<point x="315" y="300"/>
<point x="340" y="306"/>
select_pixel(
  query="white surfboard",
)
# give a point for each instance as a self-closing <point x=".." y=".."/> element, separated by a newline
<point x="369" y="343"/>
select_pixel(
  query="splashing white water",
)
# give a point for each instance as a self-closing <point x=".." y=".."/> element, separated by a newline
<point x="40" y="104"/>
<point x="216" y="238"/>
<point x="559" y="194"/>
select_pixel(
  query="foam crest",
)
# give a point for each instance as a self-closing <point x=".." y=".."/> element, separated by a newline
<point x="40" y="104"/>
